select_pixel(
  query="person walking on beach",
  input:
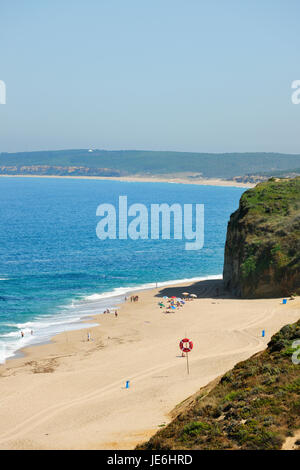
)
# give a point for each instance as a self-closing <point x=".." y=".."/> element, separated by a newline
<point x="88" y="336"/>
<point x="116" y="313"/>
<point x="22" y="334"/>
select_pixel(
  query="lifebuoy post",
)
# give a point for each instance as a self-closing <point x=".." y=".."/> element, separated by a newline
<point x="186" y="345"/>
<point x="187" y="363"/>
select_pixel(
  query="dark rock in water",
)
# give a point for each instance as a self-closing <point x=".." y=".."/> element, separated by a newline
<point x="262" y="252"/>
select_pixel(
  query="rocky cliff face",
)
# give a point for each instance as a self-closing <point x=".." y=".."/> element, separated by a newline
<point x="262" y="252"/>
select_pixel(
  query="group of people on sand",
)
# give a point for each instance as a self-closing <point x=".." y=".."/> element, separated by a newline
<point x="173" y="304"/>
<point x="169" y="307"/>
<point x="134" y="298"/>
<point x="108" y="311"/>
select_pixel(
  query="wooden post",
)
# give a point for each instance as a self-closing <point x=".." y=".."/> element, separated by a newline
<point x="187" y="362"/>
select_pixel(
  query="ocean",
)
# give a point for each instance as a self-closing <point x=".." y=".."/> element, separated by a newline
<point x="55" y="271"/>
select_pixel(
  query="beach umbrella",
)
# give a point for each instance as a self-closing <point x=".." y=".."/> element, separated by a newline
<point x="185" y="293"/>
<point x="174" y="308"/>
<point x="165" y="297"/>
<point x="161" y="304"/>
<point x="182" y="302"/>
<point x="193" y="295"/>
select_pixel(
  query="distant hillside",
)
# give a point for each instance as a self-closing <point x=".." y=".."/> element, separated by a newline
<point x="58" y="171"/>
<point x="262" y="252"/>
<point x="255" y="406"/>
<point x="133" y="162"/>
<point x="265" y="175"/>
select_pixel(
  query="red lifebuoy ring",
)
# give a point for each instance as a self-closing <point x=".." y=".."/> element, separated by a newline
<point x="186" y="345"/>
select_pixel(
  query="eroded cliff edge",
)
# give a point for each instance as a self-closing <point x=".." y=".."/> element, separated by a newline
<point x="262" y="251"/>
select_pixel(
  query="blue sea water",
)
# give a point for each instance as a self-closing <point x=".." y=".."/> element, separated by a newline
<point x="54" y="271"/>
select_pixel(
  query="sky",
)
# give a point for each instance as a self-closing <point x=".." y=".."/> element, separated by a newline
<point x="185" y="75"/>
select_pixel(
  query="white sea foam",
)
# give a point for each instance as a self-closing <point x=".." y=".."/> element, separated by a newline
<point x="122" y="291"/>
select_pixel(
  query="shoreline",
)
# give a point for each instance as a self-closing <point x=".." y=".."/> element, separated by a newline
<point x="145" y="179"/>
<point x="73" y="391"/>
<point x="115" y="299"/>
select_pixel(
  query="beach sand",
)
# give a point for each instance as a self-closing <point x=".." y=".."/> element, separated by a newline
<point x="70" y="394"/>
<point x="182" y="179"/>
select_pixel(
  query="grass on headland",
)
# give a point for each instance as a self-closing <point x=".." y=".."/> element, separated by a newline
<point x="256" y="405"/>
<point x="262" y="254"/>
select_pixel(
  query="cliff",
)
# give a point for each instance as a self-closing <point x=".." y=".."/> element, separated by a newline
<point x="262" y="252"/>
<point x="255" y="406"/>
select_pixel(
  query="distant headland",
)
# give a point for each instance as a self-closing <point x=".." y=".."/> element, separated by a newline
<point x="240" y="168"/>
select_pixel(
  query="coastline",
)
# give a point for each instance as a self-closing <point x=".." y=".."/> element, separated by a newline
<point x="73" y="391"/>
<point x="77" y="320"/>
<point x="145" y="179"/>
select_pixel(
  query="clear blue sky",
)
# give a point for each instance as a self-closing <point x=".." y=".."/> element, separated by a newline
<point x="187" y="75"/>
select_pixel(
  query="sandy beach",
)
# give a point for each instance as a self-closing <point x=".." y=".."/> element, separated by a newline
<point x="70" y="393"/>
<point x="151" y="179"/>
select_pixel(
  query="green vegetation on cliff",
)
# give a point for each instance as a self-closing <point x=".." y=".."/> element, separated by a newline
<point x="256" y="405"/>
<point x="262" y="252"/>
